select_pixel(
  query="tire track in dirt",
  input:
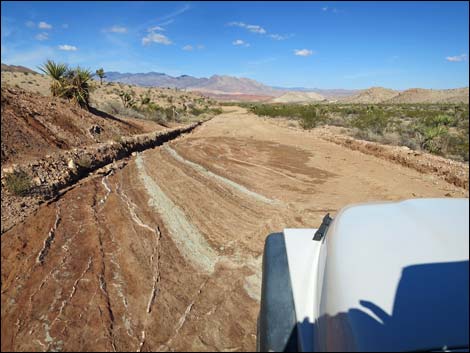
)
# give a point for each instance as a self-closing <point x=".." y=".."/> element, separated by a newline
<point x="178" y="249"/>
<point x="187" y="237"/>
<point x="203" y="170"/>
<point x="198" y="250"/>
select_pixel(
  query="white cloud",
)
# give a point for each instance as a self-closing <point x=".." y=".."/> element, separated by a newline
<point x="457" y="58"/>
<point x="117" y="29"/>
<point x="190" y="47"/>
<point x="30" y="24"/>
<point x="251" y="28"/>
<point x="331" y="9"/>
<point x="42" y="36"/>
<point x="240" y="42"/>
<point x="155" y="28"/>
<point x="303" y="52"/>
<point x="256" y="29"/>
<point x="153" y="37"/>
<point x="167" y="22"/>
<point x="279" y="36"/>
<point x="67" y="47"/>
<point x="44" y="25"/>
<point x="176" y="13"/>
<point x="259" y="30"/>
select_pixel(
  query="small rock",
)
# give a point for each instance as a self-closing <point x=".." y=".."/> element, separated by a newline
<point x="134" y="154"/>
<point x="37" y="181"/>
<point x="7" y="170"/>
<point x="71" y="164"/>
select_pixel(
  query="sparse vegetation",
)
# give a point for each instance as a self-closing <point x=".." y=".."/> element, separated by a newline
<point x="127" y="99"/>
<point x="441" y="129"/>
<point x="18" y="183"/>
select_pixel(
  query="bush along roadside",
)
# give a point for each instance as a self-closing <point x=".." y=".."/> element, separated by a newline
<point x="440" y="129"/>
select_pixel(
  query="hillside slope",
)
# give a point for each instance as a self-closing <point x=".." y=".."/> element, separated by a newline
<point x="34" y="125"/>
<point x="298" y="97"/>
<point x="420" y="95"/>
<point x="15" y="68"/>
<point x="371" y="95"/>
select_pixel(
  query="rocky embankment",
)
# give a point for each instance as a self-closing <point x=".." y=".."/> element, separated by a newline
<point x="46" y="176"/>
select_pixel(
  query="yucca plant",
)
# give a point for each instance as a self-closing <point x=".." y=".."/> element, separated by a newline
<point x="56" y="72"/>
<point x="78" y="87"/>
<point x="72" y="84"/>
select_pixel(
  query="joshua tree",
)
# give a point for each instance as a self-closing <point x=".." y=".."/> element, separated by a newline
<point x="101" y="75"/>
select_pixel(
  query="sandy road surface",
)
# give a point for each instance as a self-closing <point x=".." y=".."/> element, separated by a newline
<point x="165" y="254"/>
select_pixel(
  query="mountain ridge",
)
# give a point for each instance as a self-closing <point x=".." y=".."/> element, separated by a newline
<point x="226" y="87"/>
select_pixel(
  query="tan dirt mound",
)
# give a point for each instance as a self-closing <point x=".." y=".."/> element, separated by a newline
<point x="371" y="95"/>
<point x="298" y="97"/>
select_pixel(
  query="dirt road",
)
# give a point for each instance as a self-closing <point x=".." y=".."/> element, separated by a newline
<point x="165" y="253"/>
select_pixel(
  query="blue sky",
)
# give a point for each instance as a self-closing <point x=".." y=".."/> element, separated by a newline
<point x="292" y="44"/>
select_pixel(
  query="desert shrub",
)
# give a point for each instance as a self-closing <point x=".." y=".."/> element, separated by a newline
<point x="216" y="110"/>
<point x="18" y="183"/>
<point x="432" y="132"/>
<point x="196" y="111"/>
<point x="84" y="162"/>
<point x="127" y="99"/>
<point x="117" y="138"/>
<point x="373" y="120"/>
<point x="310" y="116"/>
<point x="144" y="99"/>
<point x="26" y="73"/>
<point x="115" y="108"/>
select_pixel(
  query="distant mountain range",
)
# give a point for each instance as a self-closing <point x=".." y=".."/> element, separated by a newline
<point x="14" y="68"/>
<point x="223" y="87"/>
<point x="216" y="84"/>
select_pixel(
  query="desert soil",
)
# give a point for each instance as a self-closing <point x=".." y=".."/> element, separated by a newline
<point x="165" y="253"/>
